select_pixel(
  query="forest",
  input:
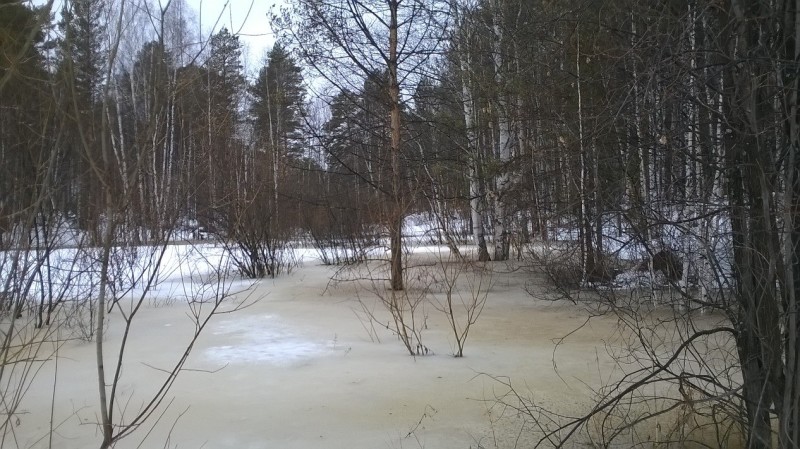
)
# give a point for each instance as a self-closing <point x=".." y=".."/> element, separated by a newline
<point x="623" y="148"/>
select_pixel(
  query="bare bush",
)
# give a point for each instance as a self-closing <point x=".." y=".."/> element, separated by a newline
<point x="465" y="288"/>
<point x="341" y="236"/>
<point x="258" y="243"/>
<point x="670" y="386"/>
<point x="258" y="258"/>
<point x="407" y="314"/>
<point x="674" y="378"/>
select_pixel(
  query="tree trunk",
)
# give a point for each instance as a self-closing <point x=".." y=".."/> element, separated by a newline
<point x="503" y="142"/>
<point x="585" y="226"/>
<point x="473" y="153"/>
<point x="477" y="209"/>
<point x="756" y="247"/>
<point x="106" y="413"/>
<point x="790" y="414"/>
<point x="693" y="176"/>
<point x="789" y="425"/>
<point x="397" y="212"/>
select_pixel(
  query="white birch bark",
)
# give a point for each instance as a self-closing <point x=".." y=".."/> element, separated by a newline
<point x="476" y="201"/>
<point x="118" y="145"/>
<point x="475" y="191"/>
<point x="691" y="187"/>
<point x="585" y="241"/>
<point x="644" y="175"/>
<point x="169" y="185"/>
<point x="503" y="141"/>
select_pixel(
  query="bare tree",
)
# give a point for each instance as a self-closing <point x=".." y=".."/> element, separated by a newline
<point x="385" y="42"/>
<point x="465" y="288"/>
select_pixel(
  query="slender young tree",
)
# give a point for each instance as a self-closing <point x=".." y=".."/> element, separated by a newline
<point x="466" y="32"/>
<point x="381" y="41"/>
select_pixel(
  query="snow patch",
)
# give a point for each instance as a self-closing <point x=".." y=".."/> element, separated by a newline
<point x="262" y="339"/>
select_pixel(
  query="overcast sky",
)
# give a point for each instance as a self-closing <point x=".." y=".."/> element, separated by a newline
<point x="247" y="17"/>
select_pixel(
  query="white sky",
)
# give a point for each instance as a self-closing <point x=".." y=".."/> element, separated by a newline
<point x="248" y="18"/>
<point x="253" y="28"/>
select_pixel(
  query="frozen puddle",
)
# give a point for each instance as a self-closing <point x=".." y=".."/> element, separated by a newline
<point x="261" y="339"/>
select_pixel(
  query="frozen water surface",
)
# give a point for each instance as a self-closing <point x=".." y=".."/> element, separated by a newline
<point x="261" y="339"/>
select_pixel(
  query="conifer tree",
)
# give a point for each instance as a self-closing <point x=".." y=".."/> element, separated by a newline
<point x="81" y="65"/>
<point x="23" y="101"/>
<point x="278" y="96"/>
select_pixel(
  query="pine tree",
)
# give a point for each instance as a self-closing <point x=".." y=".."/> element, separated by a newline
<point x="225" y="78"/>
<point x="357" y="139"/>
<point x="23" y="97"/>
<point x="278" y="98"/>
<point x="81" y="62"/>
<point x="225" y="86"/>
<point x="277" y="107"/>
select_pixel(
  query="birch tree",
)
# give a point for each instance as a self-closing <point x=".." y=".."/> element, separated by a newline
<point x="503" y="142"/>
<point x="465" y="36"/>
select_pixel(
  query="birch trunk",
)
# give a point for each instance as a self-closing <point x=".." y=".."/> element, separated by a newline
<point x="587" y="254"/>
<point x="503" y="141"/>
<point x="692" y="176"/>
<point x="475" y="190"/>
<point x="644" y="175"/>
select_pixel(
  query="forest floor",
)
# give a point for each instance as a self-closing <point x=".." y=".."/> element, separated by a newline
<point x="302" y="368"/>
